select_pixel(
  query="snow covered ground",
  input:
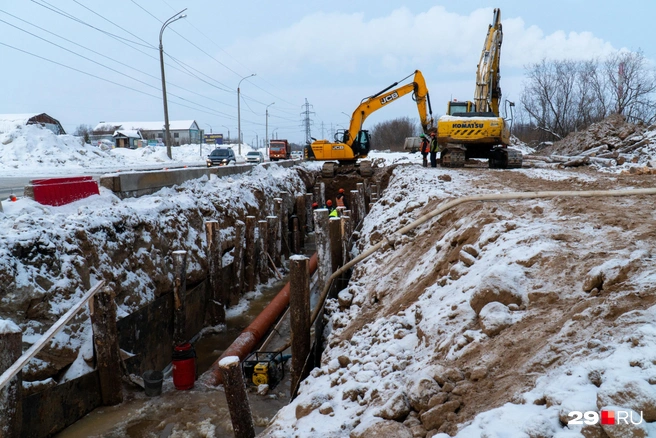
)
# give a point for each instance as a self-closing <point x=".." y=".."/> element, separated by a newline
<point x="31" y="150"/>
<point x="492" y="320"/>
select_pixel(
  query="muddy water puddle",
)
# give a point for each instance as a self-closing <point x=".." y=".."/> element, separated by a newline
<point x="199" y="412"/>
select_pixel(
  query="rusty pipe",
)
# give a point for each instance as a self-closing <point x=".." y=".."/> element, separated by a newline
<point x="253" y="334"/>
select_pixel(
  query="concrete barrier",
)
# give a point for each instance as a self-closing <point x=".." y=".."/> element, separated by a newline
<point x="135" y="184"/>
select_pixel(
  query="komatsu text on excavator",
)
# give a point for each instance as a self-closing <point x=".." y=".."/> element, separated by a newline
<point x="475" y="129"/>
<point x="355" y="142"/>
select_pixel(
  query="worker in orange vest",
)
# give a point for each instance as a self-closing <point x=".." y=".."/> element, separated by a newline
<point x="341" y="199"/>
<point x="425" y="149"/>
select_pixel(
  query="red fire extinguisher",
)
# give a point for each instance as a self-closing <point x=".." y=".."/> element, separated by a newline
<point x="184" y="366"/>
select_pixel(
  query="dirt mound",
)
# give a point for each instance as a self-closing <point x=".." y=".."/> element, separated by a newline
<point x="488" y="313"/>
<point x="611" y="134"/>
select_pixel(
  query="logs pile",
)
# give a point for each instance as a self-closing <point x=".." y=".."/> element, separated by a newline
<point x="606" y="144"/>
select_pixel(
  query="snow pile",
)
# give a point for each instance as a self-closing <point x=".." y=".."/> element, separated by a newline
<point x="50" y="256"/>
<point x="40" y="151"/>
<point x="480" y="322"/>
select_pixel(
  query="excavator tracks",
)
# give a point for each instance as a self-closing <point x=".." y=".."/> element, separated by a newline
<point x="330" y="169"/>
<point x="505" y="158"/>
<point x="452" y="157"/>
<point x="365" y="169"/>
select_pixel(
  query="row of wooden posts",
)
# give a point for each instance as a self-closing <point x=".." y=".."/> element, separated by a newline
<point x="333" y="242"/>
<point x="254" y="258"/>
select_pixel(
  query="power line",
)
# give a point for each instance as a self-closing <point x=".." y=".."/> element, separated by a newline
<point x="215" y="113"/>
<point x="72" y="17"/>
<point x="114" y="24"/>
<point x="121" y="40"/>
<point x="228" y="68"/>
<point x="104" y="56"/>
<point x="180" y="35"/>
<point x="100" y="64"/>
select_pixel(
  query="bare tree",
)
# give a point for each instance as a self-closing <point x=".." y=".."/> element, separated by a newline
<point x="632" y="86"/>
<point x="84" y="131"/>
<point x="391" y="134"/>
<point x="565" y="96"/>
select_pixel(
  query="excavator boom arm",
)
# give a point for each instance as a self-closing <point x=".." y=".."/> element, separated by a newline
<point x="487" y="94"/>
<point x="381" y="99"/>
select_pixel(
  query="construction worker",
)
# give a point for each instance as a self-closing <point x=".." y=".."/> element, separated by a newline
<point x="425" y="148"/>
<point x="434" y="149"/>
<point x="341" y="199"/>
<point x="331" y="209"/>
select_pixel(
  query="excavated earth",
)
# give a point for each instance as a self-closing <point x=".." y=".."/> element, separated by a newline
<point x="567" y="272"/>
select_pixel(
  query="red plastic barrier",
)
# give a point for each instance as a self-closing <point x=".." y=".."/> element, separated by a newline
<point x="60" y="191"/>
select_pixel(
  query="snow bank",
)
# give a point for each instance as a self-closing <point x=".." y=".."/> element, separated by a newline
<point x="34" y="150"/>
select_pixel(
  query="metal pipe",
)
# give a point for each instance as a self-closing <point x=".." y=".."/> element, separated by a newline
<point x="252" y="334"/>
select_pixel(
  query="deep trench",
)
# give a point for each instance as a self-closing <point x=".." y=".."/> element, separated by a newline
<point x="195" y="410"/>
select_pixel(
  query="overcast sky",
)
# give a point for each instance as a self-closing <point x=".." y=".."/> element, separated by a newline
<point x="332" y="53"/>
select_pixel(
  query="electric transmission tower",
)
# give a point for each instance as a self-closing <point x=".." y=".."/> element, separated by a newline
<point x="307" y="122"/>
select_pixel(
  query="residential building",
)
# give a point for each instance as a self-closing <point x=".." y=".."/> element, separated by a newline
<point x="11" y="121"/>
<point x="182" y="131"/>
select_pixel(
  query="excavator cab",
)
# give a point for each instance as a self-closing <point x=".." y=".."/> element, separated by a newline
<point x="341" y="136"/>
<point x="455" y="107"/>
<point x="362" y="143"/>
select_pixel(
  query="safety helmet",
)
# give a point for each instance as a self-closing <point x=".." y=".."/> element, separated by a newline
<point x="341" y="190"/>
<point x="423" y="136"/>
<point x="315" y="205"/>
<point x="329" y="203"/>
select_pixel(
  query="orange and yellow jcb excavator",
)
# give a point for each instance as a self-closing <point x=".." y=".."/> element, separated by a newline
<point x="355" y="142"/>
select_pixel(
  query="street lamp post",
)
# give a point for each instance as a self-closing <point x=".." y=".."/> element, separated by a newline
<point x="210" y="127"/>
<point x="266" y="135"/>
<point x="228" y="131"/>
<point x="239" y="110"/>
<point x="161" y="64"/>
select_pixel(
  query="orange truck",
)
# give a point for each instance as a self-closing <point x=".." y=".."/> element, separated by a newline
<point x="279" y="150"/>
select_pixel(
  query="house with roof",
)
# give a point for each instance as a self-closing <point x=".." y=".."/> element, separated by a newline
<point x="127" y="138"/>
<point x="182" y="131"/>
<point x="9" y="122"/>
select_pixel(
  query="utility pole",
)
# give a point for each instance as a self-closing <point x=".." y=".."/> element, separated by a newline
<point x="307" y="121"/>
<point x="266" y="135"/>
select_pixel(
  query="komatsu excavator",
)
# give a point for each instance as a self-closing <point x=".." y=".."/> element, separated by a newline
<point x="355" y="142"/>
<point x="475" y="129"/>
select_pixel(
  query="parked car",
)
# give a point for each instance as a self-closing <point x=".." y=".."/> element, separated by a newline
<point x="254" y="157"/>
<point x="221" y="157"/>
<point x="297" y="155"/>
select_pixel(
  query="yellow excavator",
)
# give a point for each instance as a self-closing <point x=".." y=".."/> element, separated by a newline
<point x="475" y="129"/>
<point x="355" y="142"/>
